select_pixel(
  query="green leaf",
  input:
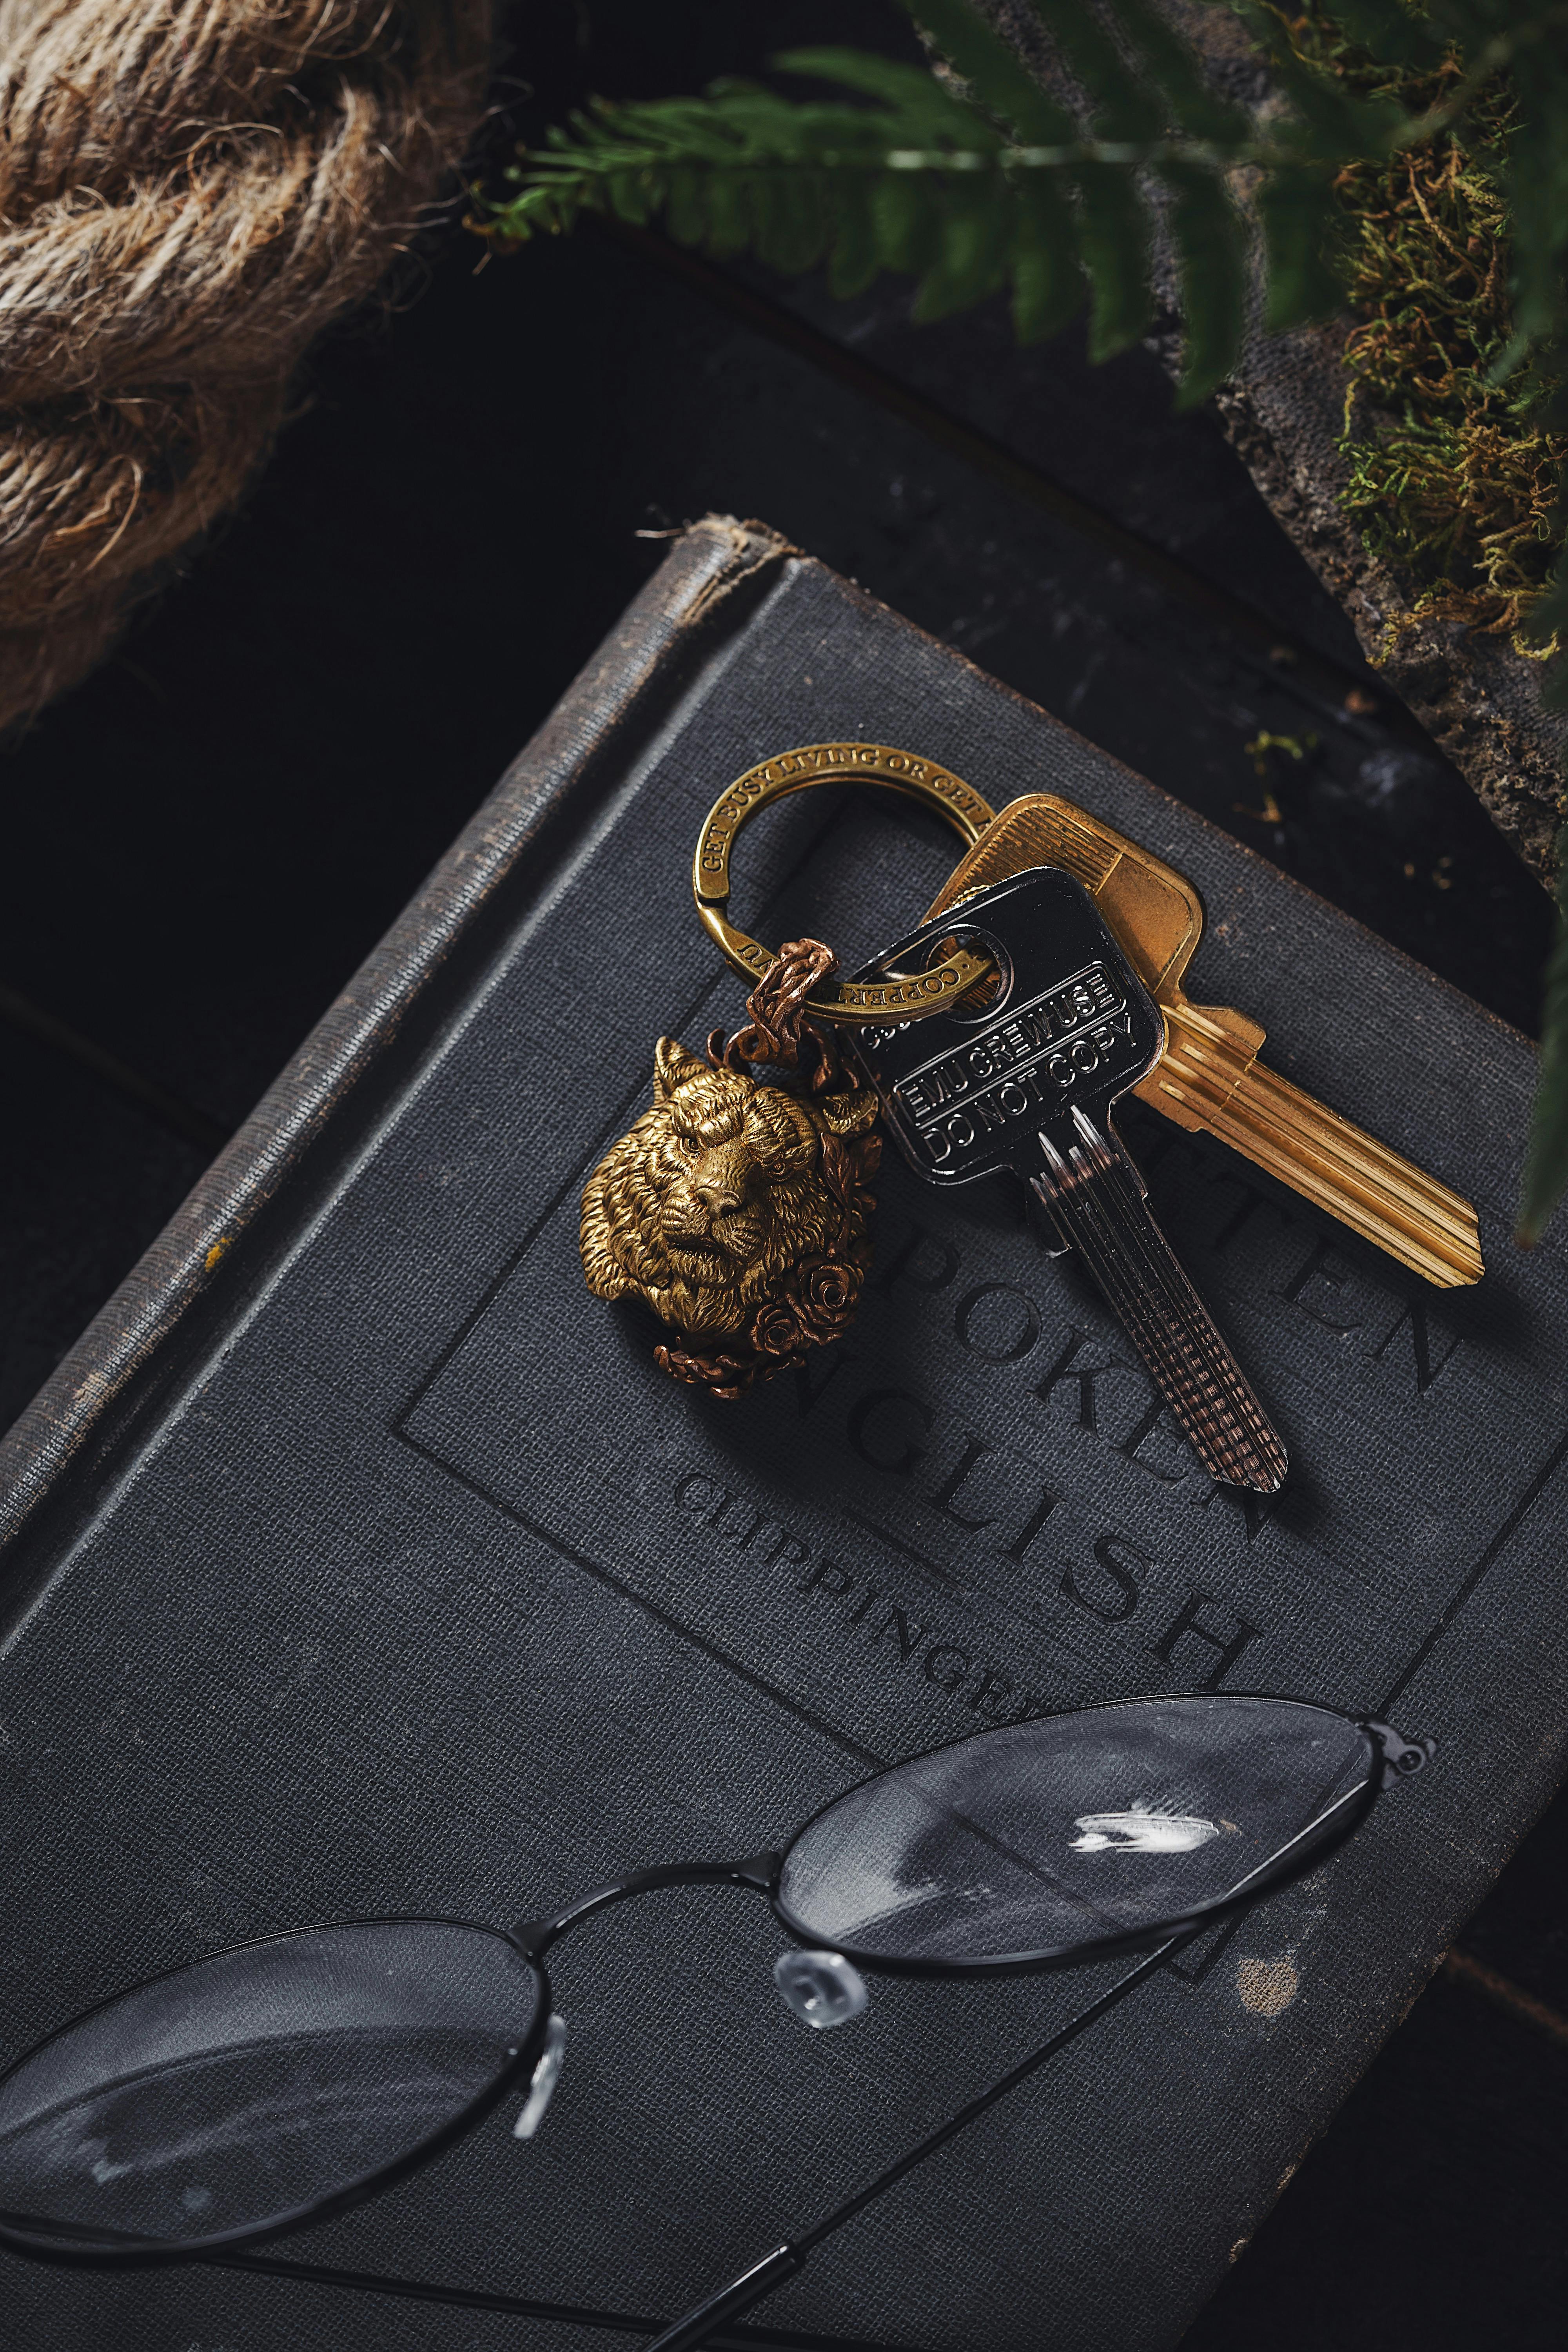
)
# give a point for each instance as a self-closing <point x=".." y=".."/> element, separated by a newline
<point x="629" y="192"/>
<point x="686" y="130"/>
<point x="686" y="210"/>
<point x="973" y="242"/>
<point x="1126" y="107"/>
<point x="1048" y="284"/>
<point x="911" y="93"/>
<point x="1546" y="1160"/>
<point x="1336" y="122"/>
<point x="853" y="258"/>
<point x="1211" y="262"/>
<point x="729" y="215"/>
<point x="524" y="216"/>
<point x="1389" y="31"/>
<point x="995" y="73"/>
<point x="1297" y="208"/>
<point x="789" y="228"/>
<point x="1173" y="66"/>
<point x="1537" y="184"/>
<point x="1114" y="245"/>
<point x="805" y="216"/>
<point x="904" y="212"/>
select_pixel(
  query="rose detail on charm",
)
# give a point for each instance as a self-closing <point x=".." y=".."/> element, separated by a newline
<point x="827" y="1297"/>
<point x="739" y="1213"/>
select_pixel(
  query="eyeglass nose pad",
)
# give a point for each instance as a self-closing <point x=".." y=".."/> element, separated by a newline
<point x="542" y="2085"/>
<point x="823" y="1989"/>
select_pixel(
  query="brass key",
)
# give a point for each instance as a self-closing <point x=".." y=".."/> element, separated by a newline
<point x="1209" y="1079"/>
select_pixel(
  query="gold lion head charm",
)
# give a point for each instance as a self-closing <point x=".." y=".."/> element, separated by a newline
<point x="739" y="1213"/>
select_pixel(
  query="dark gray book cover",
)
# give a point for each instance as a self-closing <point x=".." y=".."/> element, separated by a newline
<point x="358" y="1561"/>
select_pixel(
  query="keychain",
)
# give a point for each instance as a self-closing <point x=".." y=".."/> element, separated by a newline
<point x="1046" y="985"/>
<point x="740" y="1210"/>
<point x="738" y="1207"/>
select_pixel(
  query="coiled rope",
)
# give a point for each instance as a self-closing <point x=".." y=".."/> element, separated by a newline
<point x="190" y="190"/>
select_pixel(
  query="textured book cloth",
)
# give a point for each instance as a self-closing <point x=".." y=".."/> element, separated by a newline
<point x="360" y="1561"/>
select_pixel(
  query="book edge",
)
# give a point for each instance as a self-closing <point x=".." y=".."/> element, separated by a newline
<point x="710" y="566"/>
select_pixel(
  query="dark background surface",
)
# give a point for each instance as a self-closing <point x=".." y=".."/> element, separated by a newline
<point x="207" y="837"/>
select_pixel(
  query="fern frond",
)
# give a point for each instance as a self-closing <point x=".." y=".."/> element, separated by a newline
<point x="911" y="93"/>
<point x="1389" y="30"/>
<point x="855" y="254"/>
<point x="1333" y="123"/>
<point x="1296" y="206"/>
<point x="904" y="211"/>
<point x="1211" y="263"/>
<point x="1125" y="105"/>
<point x="972" y="248"/>
<point x="1173" y="68"/>
<point x="1536" y="179"/>
<point x="1047" y="283"/>
<point x="996" y="75"/>
<point x="968" y="187"/>
<point x="1114" y="243"/>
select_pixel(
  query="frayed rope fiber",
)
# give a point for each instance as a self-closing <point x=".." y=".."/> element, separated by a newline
<point x="190" y="190"/>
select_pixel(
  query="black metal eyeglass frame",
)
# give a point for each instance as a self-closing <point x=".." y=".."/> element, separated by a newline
<point x="1387" y="1758"/>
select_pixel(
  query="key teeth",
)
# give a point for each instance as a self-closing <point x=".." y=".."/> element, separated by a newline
<point x="1103" y="1152"/>
<point x="1096" y="1196"/>
<point x="1255" y="1461"/>
<point x="1269" y="1476"/>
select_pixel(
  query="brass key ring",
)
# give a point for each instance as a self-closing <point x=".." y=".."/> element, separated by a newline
<point x="847" y="1002"/>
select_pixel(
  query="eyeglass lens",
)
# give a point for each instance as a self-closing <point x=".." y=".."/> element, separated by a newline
<point x="260" y="2082"/>
<point x="1045" y="1839"/>
<point x="253" y="2087"/>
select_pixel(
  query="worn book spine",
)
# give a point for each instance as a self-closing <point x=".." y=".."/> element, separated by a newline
<point x="88" y="1411"/>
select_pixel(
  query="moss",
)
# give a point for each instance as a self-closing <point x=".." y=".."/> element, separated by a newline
<point x="1455" y="476"/>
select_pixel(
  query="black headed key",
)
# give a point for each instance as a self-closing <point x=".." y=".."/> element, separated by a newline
<point x="1028" y="1079"/>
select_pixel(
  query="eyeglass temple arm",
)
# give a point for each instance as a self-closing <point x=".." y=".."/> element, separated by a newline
<point x="699" y="2324"/>
<point x="757" y="1870"/>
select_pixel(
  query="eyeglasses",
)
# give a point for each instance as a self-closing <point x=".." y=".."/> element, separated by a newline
<point x="277" y="2082"/>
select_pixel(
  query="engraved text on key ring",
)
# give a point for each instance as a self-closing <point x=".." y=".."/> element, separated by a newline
<point x="902" y="996"/>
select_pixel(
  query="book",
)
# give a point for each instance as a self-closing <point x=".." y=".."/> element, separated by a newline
<point x="358" y="1561"/>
